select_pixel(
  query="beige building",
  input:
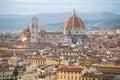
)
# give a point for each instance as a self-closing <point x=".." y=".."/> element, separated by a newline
<point x="55" y="62"/>
<point x="70" y="73"/>
<point x="49" y="76"/>
<point x="39" y="61"/>
<point x="108" y="69"/>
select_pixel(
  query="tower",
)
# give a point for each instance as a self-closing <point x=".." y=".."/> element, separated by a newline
<point x="34" y="32"/>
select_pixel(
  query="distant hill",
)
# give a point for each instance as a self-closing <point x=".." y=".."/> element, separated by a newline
<point x="55" y="21"/>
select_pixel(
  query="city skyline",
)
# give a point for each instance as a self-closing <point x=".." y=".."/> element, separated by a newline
<point x="29" y="7"/>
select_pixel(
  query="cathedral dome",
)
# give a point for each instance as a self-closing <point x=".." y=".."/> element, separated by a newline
<point x="74" y="22"/>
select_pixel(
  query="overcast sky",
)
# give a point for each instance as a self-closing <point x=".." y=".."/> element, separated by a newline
<point x="29" y="7"/>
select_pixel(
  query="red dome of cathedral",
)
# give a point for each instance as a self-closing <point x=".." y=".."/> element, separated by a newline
<point x="74" y="22"/>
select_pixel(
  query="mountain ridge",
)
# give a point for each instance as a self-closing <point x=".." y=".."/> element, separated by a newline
<point x="57" y="20"/>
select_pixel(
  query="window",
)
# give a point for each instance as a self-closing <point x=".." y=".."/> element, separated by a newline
<point x="36" y="25"/>
<point x="41" y="72"/>
<point x="33" y="32"/>
<point x="64" y="72"/>
<point x="68" y="72"/>
<point x="47" y="36"/>
<point x="68" y="77"/>
<point x="19" y="77"/>
<point x="61" y="76"/>
<point x="33" y="25"/>
<point x="64" y="77"/>
<point x="77" y="32"/>
<point x="80" y="78"/>
<point x="75" y="77"/>
<point x="75" y="72"/>
<point x="58" y="76"/>
<point x="33" y="37"/>
<point x="69" y="32"/>
<point x="71" y="77"/>
<point x="60" y="36"/>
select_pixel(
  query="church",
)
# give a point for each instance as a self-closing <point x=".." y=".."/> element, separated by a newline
<point x="74" y="32"/>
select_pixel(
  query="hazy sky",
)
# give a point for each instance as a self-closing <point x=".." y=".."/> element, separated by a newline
<point x="28" y="7"/>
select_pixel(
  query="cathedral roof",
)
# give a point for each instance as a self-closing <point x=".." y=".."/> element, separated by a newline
<point x="74" y="22"/>
<point x="25" y="32"/>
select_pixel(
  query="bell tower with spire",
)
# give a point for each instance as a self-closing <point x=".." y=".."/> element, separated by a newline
<point x="34" y="32"/>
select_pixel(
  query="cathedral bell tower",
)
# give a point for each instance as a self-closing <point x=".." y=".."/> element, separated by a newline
<point x="34" y="32"/>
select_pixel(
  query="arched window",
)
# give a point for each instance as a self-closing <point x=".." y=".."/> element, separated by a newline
<point x="33" y="25"/>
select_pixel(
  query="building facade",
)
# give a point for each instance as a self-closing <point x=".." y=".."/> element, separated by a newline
<point x="70" y="73"/>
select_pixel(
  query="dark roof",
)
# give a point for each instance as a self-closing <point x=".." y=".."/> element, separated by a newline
<point x="70" y="69"/>
<point x="91" y="75"/>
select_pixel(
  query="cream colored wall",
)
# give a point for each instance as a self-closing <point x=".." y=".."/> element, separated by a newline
<point x="59" y="74"/>
<point x="49" y="62"/>
<point x="39" y="62"/>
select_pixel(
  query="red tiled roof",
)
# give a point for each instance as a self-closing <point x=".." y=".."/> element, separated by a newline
<point x="25" y="32"/>
<point x="70" y="69"/>
<point x="74" y="21"/>
<point x="35" y="58"/>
